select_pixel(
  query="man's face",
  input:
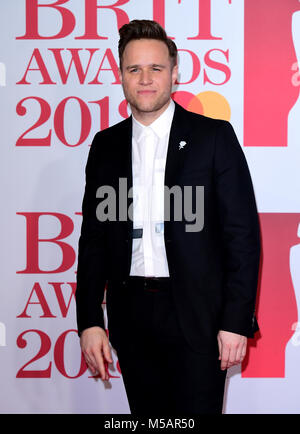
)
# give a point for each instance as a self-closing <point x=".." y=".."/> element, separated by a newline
<point x="147" y="77"/>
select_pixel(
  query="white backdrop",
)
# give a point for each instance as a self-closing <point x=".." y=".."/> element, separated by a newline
<point x="237" y="61"/>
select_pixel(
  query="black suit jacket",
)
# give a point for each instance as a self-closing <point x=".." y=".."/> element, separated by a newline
<point x="213" y="272"/>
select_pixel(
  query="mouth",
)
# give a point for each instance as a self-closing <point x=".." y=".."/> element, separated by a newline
<point x="146" y="92"/>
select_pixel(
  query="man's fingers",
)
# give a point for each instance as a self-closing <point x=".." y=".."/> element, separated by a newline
<point x="101" y="366"/>
<point x="232" y="348"/>
<point x="220" y="347"/>
<point x="107" y="353"/>
<point x="103" y="360"/>
<point x="91" y="362"/>
<point x="96" y="350"/>
<point x="96" y="364"/>
<point x="231" y="356"/>
<point x="240" y="354"/>
<point x="224" y="357"/>
<point x="243" y="351"/>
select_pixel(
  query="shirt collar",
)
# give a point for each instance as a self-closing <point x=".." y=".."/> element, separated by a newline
<point x="161" y="126"/>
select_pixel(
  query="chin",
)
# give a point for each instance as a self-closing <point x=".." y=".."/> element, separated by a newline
<point x="153" y="107"/>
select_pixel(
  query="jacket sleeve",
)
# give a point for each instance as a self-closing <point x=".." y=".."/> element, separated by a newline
<point x="91" y="270"/>
<point x="240" y="233"/>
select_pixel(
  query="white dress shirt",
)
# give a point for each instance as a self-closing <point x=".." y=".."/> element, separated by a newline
<point x="149" y="152"/>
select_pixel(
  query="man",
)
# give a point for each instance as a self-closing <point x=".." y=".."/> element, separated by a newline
<point x="180" y="299"/>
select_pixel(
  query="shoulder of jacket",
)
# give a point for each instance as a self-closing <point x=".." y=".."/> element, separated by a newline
<point x="202" y="121"/>
<point x="116" y="129"/>
<point x="206" y="121"/>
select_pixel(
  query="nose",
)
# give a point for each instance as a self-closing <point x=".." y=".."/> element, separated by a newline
<point x="145" y="77"/>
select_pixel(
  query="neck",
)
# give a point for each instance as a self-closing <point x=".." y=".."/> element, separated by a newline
<point x="147" y="118"/>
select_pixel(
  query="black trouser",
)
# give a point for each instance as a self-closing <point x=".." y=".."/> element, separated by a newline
<point x="161" y="373"/>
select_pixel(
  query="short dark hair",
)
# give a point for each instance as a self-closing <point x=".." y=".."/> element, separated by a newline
<point x="145" y="29"/>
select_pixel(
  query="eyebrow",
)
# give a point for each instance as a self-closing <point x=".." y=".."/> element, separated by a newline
<point x="153" y="65"/>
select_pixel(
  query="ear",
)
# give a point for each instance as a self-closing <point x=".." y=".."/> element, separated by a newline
<point x="174" y="74"/>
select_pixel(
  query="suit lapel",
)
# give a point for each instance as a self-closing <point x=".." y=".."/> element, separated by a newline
<point x="175" y="159"/>
<point x="175" y="156"/>
<point x="128" y="138"/>
<point x="124" y="136"/>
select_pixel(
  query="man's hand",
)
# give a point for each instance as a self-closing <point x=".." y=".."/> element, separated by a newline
<point x="96" y="350"/>
<point x="232" y="348"/>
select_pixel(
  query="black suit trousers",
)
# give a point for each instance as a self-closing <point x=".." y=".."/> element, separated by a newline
<point x="162" y="374"/>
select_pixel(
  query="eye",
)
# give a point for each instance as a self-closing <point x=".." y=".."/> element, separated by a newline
<point x="133" y="70"/>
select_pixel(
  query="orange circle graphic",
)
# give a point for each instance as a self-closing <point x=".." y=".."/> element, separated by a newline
<point x="209" y="103"/>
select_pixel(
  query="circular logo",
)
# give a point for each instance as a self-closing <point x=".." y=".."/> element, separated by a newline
<point x="209" y="103"/>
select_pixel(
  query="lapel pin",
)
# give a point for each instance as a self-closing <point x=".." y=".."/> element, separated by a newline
<point x="182" y="144"/>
